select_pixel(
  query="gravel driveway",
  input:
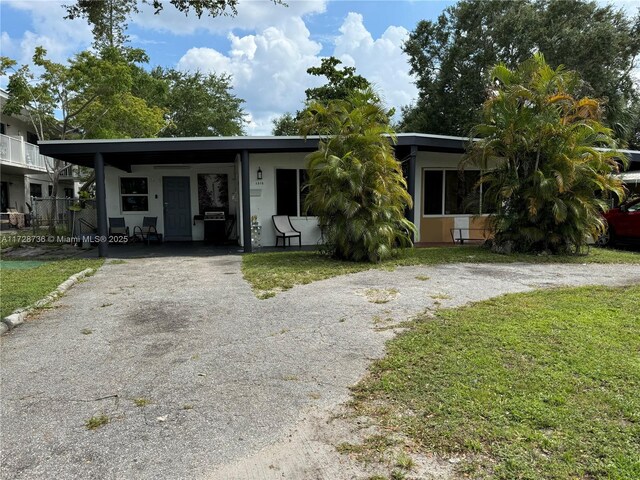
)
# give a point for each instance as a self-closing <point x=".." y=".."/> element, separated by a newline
<point x="231" y="383"/>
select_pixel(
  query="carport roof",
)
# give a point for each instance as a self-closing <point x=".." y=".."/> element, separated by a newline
<point x="123" y="153"/>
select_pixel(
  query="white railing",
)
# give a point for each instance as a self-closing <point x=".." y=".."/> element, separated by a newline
<point x="33" y="157"/>
<point x="69" y="171"/>
<point x="16" y="151"/>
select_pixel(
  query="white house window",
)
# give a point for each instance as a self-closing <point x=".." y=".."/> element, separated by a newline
<point x="452" y="192"/>
<point x="291" y="191"/>
<point x="134" y="194"/>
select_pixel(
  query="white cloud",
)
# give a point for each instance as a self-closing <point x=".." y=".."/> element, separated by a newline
<point x="270" y="49"/>
<point x="49" y="29"/>
<point x="381" y="61"/>
<point x="252" y="15"/>
<point x="269" y="67"/>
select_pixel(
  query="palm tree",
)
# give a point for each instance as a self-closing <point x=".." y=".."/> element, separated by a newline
<point x="356" y="187"/>
<point x="545" y="175"/>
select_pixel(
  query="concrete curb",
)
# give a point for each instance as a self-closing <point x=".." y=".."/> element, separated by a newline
<point x="18" y="316"/>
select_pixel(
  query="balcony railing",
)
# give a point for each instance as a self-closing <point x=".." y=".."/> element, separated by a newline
<point x="14" y="150"/>
<point x="69" y="171"/>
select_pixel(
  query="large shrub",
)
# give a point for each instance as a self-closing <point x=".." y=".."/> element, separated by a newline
<point x="545" y="177"/>
<point x="356" y="186"/>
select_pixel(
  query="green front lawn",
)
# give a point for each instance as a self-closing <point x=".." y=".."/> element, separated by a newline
<point x="23" y="286"/>
<point x="283" y="270"/>
<point x="541" y="385"/>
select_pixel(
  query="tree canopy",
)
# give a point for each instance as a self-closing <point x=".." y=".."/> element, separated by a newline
<point x="109" y="18"/>
<point x="284" y="125"/>
<point x="544" y="176"/>
<point x="80" y="99"/>
<point x="199" y="105"/>
<point x="340" y="85"/>
<point x="341" y="82"/>
<point x="452" y="57"/>
<point x="88" y="97"/>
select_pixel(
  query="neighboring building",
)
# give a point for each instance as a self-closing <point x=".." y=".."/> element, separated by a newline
<point x="23" y="170"/>
<point x="178" y="180"/>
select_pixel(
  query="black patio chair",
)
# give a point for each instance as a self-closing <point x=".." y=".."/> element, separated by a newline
<point x="118" y="227"/>
<point x="285" y="230"/>
<point x="147" y="231"/>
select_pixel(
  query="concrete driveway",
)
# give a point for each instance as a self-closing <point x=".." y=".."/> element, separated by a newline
<point x="230" y="383"/>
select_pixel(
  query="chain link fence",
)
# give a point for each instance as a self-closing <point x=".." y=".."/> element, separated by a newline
<point x="71" y="216"/>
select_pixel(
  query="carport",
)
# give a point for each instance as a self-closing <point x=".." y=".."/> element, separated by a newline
<point x="124" y="154"/>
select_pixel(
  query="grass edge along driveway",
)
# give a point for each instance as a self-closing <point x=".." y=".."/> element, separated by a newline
<point x="268" y="273"/>
<point x="524" y="386"/>
<point x="23" y="287"/>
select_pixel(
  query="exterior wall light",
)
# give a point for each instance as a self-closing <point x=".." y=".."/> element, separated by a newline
<point x="259" y="173"/>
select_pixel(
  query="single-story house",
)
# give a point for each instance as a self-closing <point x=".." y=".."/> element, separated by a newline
<point x="178" y="180"/>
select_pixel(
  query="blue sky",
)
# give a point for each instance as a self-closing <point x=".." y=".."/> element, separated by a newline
<point x="266" y="48"/>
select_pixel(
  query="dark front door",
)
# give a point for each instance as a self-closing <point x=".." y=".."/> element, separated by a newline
<point x="176" y="193"/>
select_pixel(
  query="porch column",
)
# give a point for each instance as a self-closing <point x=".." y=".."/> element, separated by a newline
<point x="246" y="199"/>
<point x="411" y="180"/>
<point x="101" y="205"/>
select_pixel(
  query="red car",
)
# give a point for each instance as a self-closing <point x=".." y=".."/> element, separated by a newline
<point x="624" y="223"/>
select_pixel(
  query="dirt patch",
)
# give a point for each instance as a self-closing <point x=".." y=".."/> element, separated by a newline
<point x="311" y="451"/>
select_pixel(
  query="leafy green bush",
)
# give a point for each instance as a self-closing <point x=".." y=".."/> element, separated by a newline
<point x="546" y="178"/>
<point x="356" y="186"/>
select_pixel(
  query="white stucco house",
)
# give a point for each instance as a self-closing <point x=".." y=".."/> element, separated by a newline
<point x="23" y="169"/>
<point x="178" y="180"/>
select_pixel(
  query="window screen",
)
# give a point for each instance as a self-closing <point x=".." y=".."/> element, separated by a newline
<point x="432" y="192"/>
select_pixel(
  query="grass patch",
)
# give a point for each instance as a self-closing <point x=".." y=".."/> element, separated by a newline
<point x="21" y="288"/>
<point x="141" y="402"/>
<point x="385" y="295"/>
<point x="96" y="422"/>
<point x="266" y="294"/>
<point x="29" y="238"/>
<point x="440" y="296"/>
<point x="526" y="386"/>
<point x="117" y="262"/>
<point x="276" y="271"/>
<point x="372" y="450"/>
